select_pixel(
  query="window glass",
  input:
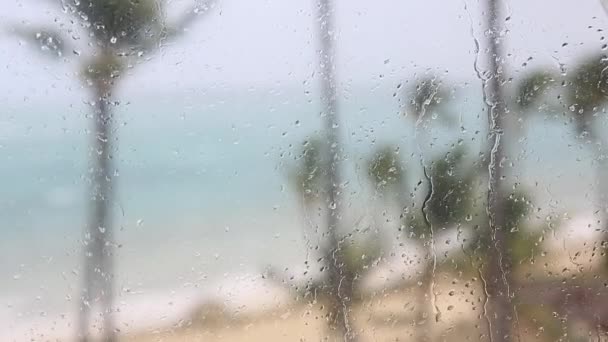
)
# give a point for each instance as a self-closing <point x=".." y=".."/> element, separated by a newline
<point x="323" y="170"/>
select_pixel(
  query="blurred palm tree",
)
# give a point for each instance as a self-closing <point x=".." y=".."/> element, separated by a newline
<point x="121" y="32"/>
<point x="387" y="174"/>
<point x="446" y="206"/>
<point x="581" y="99"/>
<point x="307" y="176"/>
<point x="500" y="314"/>
<point x="586" y="93"/>
<point x="340" y="284"/>
<point x="349" y="254"/>
<point x="586" y="96"/>
<point x="531" y="91"/>
<point x="426" y="101"/>
<point x="449" y="197"/>
<point x="448" y="202"/>
<point x="582" y="95"/>
<point x="508" y="241"/>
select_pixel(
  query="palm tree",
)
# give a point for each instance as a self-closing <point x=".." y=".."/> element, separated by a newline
<point x="121" y="32"/>
<point x="352" y="255"/>
<point x="583" y="98"/>
<point x="447" y="203"/>
<point x="386" y="172"/>
<point x="427" y="98"/>
<point x="307" y="175"/>
<point x="586" y="94"/>
<point x="497" y="272"/>
<point x="340" y="285"/>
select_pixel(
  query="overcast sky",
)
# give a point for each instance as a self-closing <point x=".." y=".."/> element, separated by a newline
<point x="271" y="43"/>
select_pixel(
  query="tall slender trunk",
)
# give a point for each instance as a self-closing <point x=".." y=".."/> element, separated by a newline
<point x="424" y="308"/>
<point x="500" y="312"/>
<point x="98" y="263"/>
<point x="602" y="183"/>
<point x="340" y="281"/>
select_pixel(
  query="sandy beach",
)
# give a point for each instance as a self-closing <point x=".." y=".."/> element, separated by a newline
<point x="253" y="307"/>
<point x="259" y="310"/>
<point x="384" y="317"/>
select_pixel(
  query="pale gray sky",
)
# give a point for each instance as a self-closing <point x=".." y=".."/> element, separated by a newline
<point x="271" y="43"/>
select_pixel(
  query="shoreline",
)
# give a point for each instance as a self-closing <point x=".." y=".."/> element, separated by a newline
<point x="141" y="310"/>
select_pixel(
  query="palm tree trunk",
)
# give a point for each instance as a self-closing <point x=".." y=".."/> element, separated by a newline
<point x="602" y="182"/>
<point x="424" y="306"/>
<point x="98" y="263"/>
<point x="340" y="284"/>
<point x="497" y="276"/>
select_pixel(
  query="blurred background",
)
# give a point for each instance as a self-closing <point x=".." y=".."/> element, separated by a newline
<point x="319" y="170"/>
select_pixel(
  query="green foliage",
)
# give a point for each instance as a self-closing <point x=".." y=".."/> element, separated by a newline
<point x="124" y="23"/>
<point x="517" y="208"/>
<point x="451" y="200"/>
<point x="47" y="39"/>
<point x="385" y="170"/>
<point x="427" y="96"/>
<point x="359" y="255"/>
<point x="532" y="88"/>
<point x="414" y="226"/>
<point x="587" y="90"/>
<point x="124" y="28"/>
<point x="307" y="176"/>
<point x="588" y="84"/>
<point x="452" y="189"/>
<point x="103" y="68"/>
<point x="523" y="242"/>
<point x="549" y="327"/>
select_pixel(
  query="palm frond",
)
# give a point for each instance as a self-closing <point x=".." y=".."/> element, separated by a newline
<point x="186" y="20"/>
<point x="532" y="88"/>
<point x="165" y="31"/>
<point x="120" y="24"/>
<point x="385" y="170"/>
<point x="453" y="188"/>
<point x="308" y="174"/>
<point x="587" y="91"/>
<point x="48" y="40"/>
<point x="426" y="97"/>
